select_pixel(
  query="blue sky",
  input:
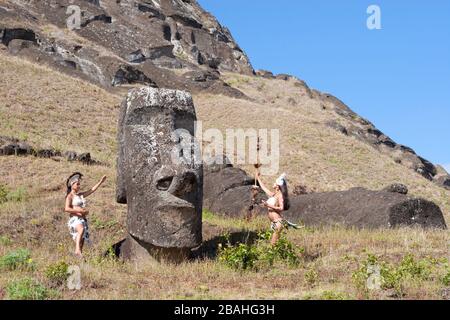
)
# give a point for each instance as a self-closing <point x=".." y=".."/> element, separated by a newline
<point x="397" y="77"/>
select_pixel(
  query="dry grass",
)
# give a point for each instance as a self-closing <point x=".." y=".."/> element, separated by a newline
<point x="310" y="153"/>
<point x="50" y="109"/>
<point x="38" y="224"/>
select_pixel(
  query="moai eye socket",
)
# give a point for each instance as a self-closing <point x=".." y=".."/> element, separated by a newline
<point x="164" y="183"/>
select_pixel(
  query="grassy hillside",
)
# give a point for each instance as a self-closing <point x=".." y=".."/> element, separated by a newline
<point x="49" y="109"/>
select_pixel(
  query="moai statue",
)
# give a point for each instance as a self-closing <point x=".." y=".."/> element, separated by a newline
<point x="159" y="175"/>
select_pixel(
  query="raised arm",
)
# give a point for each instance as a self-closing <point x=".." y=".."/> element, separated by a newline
<point x="263" y="187"/>
<point x="69" y="209"/>
<point x="93" y="189"/>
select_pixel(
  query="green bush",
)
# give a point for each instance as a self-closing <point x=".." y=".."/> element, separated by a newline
<point x="5" y="241"/>
<point x="26" y="289"/>
<point x="446" y="278"/>
<point x="259" y="255"/>
<point x="416" y="269"/>
<point x="57" y="273"/>
<point x="394" y="276"/>
<point x="3" y="193"/>
<point x="17" y="259"/>
<point x="311" y="276"/>
<point x="331" y="295"/>
<point x="242" y="257"/>
<point x="19" y="195"/>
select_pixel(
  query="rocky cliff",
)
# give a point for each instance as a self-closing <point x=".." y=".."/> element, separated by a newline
<point x="162" y="43"/>
<point x="165" y="43"/>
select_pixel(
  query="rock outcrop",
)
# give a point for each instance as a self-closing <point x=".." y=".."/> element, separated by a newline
<point x="364" y="130"/>
<point x="228" y="193"/>
<point x="164" y="196"/>
<point x="227" y="190"/>
<point x="124" y="42"/>
<point x="12" y="146"/>
<point x="442" y="177"/>
<point x="364" y="208"/>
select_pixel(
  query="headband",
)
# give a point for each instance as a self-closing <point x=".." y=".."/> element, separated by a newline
<point x="281" y="180"/>
<point x="75" y="178"/>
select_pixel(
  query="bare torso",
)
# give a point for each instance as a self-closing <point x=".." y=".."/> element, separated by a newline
<point x="273" y="214"/>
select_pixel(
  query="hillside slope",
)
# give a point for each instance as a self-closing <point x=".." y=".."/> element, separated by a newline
<point x="50" y="109"/>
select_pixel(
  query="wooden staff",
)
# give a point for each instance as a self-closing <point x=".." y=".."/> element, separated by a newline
<point x="255" y="188"/>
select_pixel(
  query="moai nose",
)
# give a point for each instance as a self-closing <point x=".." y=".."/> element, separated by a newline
<point x="182" y="186"/>
<point x="185" y="183"/>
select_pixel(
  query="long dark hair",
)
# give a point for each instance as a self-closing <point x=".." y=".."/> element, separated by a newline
<point x="285" y="194"/>
<point x="69" y="187"/>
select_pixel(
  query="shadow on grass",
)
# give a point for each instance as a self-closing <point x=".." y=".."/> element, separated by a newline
<point x="209" y="249"/>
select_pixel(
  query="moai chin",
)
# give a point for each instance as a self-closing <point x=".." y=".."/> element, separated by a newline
<point x="164" y="196"/>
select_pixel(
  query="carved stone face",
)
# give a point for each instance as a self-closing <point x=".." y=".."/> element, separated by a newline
<point x="164" y="197"/>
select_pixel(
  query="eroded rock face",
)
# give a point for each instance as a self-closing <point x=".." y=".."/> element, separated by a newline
<point x="164" y="198"/>
<point x="120" y="39"/>
<point x="362" y="129"/>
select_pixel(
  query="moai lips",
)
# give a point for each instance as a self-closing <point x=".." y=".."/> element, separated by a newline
<point x="161" y="186"/>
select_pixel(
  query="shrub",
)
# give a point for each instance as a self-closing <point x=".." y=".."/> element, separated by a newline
<point x="57" y="273"/>
<point x="331" y="295"/>
<point x="19" y="195"/>
<point x="242" y="257"/>
<point x="416" y="269"/>
<point x="259" y="255"/>
<point x="207" y="215"/>
<point x="311" y="277"/>
<point x="5" y="241"/>
<point x="3" y="194"/>
<point x="446" y="278"/>
<point x="17" y="259"/>
<point x="26" y="289"/>
<point x="393" y="276"/>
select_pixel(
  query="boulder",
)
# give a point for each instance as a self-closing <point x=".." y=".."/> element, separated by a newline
<point x="201" y="76"/>
<point x="128" y="75"/>
<point x="364" y="208"/>
<point x="443" y="181"/>
<point x="228" y="192"/>
<point x="18" y="33"/>
<point x="265" y="74"/>
<point x="12" y="146"/>
<point x="397" y="188"/>
<point x="70" y="155"/>
<point x="283" y="76"/>
<point x="17" y="45"/>
<point x="160" y="184"/>
<point x="47" y="153"/>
